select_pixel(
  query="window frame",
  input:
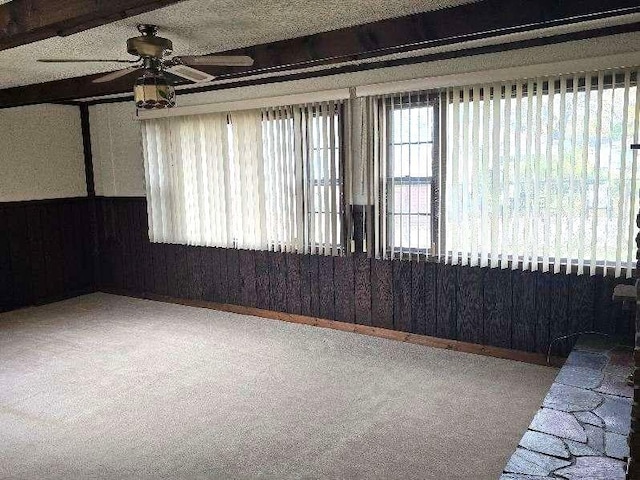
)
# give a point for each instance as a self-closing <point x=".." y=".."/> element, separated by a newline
<point x="415" y="100"/>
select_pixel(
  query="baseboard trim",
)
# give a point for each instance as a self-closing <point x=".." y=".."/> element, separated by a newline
<point x="435" y="342"/>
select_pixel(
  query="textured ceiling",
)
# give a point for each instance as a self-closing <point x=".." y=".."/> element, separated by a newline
<point x="199" y="27"/>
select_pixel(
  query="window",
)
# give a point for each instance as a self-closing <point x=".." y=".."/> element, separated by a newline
<point x="540" y="174"/>
<point x="260" y="179"/>
<point x="411" y="184"/>
<point x="533" y="174"/>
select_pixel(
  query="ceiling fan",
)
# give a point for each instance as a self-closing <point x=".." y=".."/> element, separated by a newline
<point x="153" y="89"/>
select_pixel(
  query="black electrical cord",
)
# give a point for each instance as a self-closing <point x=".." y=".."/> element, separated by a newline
<point x="588" y="332"/>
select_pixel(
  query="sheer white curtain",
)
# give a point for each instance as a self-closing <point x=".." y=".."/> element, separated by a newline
<point x="539" y="173"/>
<point x="257" y="179"/>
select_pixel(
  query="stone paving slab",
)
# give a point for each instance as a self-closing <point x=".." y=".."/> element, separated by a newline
<point x="615" y="385"/>
<point x="543" y="443"/>
<point x="593" y="468"/>
<point x="589" y="418"/>
<point x="595" y="438"/>
<point x="590" y="360"/>
<point x="571" y="399"/>
<point x="578" y="449"/>
<point x="533" y="463"/>
<point x="616" y="446"/>
<point x="580" y="377"/>
<point x="580" y="433"/>
<point x="616" y="413"/>
<point x="559" y="424"/>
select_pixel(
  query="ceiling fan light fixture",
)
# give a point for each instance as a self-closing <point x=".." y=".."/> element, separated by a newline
<point x="152" y="90"/>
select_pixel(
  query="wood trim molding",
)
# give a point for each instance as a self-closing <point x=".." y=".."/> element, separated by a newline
<point x="424" y="340"/>
<point x="86" y="150"/>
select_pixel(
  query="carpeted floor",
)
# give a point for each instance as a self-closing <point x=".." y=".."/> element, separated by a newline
<point x="111" y="387"/>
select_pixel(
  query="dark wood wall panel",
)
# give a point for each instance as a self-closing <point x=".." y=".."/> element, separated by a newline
<point x="220" y="271"/>
<point x="247" y="269"/>
<point x="6" y="274"/>
<point x="544" y="295"/>
<point x="263" y="296"/>
<point x="34" y="213"/>
<point x="233" y="276"/>
<point x="431" y="299"/>
<point x="402" y="283"/>
<point x="45" y="251"/>
<point x="506" y="308"/>
<point x="418" y="297"/>
<point x="160" y="284"/>
<point x="470" y="304"/>
<point x="293" y="279"/>
<point x="20" y="259"/>
<point x="362" y="289"/>
<point x="309" y="302"/>
<point x="196" y="264"/>
<point x="446" y="298"/>
<point x="382" y="293"/>
<point x="526" y="325"/>
<point x="278" y="281"/>
<point x="343" y="279"/>
<point x="498" y="307"/>
<point x="558" y="297"/>
<point x="581" y="302"/>
<point x="326" y="287"/>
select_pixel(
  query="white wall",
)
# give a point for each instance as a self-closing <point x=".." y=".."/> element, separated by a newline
<point x="116" y="147"/>
<point x="41" y="153"/>
<point x="116" y="135"/>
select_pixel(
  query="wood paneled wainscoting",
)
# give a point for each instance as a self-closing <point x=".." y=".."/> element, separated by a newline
<point x="46" y="251"/>
<point x="503" y="308"/>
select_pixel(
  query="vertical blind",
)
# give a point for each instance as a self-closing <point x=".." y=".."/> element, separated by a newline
<point x="259" y="179"/>
<point x="534" y="174"/>
<point x="539" y="173"/>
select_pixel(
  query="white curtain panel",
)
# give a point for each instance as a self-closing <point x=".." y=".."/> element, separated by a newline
<point x="539" y="173"/>
<point x="257" y="179"/>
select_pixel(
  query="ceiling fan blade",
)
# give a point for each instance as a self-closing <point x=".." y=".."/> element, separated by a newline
<point x="221" y="60"/>
<point x="117" y="74"/>
<point x="184" y="71"/>
<point x="84" y="60"/>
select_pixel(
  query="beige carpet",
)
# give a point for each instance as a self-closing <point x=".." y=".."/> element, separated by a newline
<point x="116" y="388"/>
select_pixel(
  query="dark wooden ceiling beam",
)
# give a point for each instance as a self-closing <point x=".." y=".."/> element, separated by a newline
<point x="27" y="21"/>
<point x="447" y="26"/>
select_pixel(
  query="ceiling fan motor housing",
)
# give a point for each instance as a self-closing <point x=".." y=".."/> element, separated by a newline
<point x="149" y="46"/>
